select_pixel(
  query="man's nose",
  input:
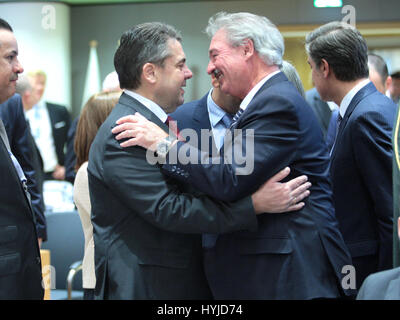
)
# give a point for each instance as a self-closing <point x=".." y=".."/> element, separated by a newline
<point x="188" y="73"/>
<point x="18" y="67"/>
<point x="210" y="67"/>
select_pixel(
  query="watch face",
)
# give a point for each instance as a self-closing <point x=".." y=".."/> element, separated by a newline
<point x="163" y="147"/>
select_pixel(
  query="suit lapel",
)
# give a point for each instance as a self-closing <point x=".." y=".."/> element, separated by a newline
<point x="13" y="171"/>
<point x="277" y="78"/>
<point x="364" y="92"/>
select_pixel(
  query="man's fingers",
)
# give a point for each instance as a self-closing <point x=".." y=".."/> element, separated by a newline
<point x="129" y="143"/>
<point x="299" y="197"/>
<point x="295" y="183"/>
<point x="126" y="134"/>
<point x="299" y="190"/>
<point x="130" y="118"/>
<point x="295" y="207"/>
<point x="280" y="175"/>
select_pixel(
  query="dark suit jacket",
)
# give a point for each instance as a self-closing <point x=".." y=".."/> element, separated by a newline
<point x="296" y="255"/>
<point x="146" y="228"/>
<point x="21" y="143"/>
<point x="320" y="108"/>
<point x="20" y="264"/>
<point x="60" y="123"/>
<point x="384" y="285"/>
<point x="361" y="171"/>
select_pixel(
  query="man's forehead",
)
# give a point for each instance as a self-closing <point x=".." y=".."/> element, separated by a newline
<point x="8" y="41"/>
<point x="219" y="39"/>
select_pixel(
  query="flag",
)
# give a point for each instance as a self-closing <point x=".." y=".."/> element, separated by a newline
<point x="92" y="82"/>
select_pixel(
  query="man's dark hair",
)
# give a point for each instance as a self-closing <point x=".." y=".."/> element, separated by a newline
<point x="343" y="47"/>
<point x="379" y="65"/>
<point x="144" y="43"/>
<point x="395" y="75"/>
<point x="4" y="25"/>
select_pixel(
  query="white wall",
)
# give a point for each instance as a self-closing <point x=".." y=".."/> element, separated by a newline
<point x="43" y="34"/>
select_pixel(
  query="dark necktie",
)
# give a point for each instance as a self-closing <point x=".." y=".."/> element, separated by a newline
<point x="171" y="123"/>
<point x="338" y="122"/>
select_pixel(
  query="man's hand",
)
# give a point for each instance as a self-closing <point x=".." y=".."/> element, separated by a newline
<point x="276" y="197"/>
<point x="141" y="132"/>
<point x="40" y="240"/>
<point x="59" y="172"/>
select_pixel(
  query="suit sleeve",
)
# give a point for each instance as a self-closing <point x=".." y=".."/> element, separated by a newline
<point x="373" y="152"/>
<point x="263" y="146"/>
<point x="158" y="199"/>
<point x="21" y="150"/>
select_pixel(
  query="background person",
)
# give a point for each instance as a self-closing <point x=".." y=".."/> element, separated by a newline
<point x="93" y="114"/>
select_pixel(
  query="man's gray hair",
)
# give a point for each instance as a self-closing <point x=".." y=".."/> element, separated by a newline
<point x="293" y="76"/>
<point x="23" y="85"/>
<point x="241" y="26"/>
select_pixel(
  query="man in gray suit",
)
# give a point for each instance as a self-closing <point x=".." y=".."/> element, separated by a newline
<point x="384" y="285"/>
<point x="147" y="228"/>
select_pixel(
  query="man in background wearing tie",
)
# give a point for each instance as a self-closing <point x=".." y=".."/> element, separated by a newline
<point x="20" y="263"/>
<point x="361" y="158"/>
<point x="49" y="124"/>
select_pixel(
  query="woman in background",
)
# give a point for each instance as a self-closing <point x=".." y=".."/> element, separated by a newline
<point x="93" y="114"/>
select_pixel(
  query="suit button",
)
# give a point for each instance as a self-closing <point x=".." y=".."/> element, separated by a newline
<point x="38" y="260"/>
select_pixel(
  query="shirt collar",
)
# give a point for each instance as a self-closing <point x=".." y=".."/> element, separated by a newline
<point x="151" y="105"/>
<point x="215" y="112"/>
<point x="246" y="101"/>
<point x="350" y="95"/>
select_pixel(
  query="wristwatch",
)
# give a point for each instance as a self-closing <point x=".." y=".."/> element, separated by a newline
<point x="164" y="146"/>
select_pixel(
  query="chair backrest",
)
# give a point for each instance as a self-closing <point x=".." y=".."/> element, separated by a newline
<point x="66" y="242"/>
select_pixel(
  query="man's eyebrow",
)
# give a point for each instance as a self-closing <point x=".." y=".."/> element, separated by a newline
<point x="183" y="60"/>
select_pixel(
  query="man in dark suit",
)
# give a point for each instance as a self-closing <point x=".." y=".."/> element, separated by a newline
<point x="150" y="246"/>
<point x="23" y="148"/>
<point x="20" y="264"/>
<point x="49" y="124"/>
<point x="289" y="256"/>
<point x="379" y="76"/>
<point x="361" y="158"/>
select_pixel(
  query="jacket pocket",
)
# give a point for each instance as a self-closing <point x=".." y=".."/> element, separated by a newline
<point x="10" y="263"/>
<point x="8" y="234"/>
<point x="264" y="245"/>
<point x="363" y="248"/>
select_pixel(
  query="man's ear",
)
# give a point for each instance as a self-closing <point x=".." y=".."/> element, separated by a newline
<point x="248" y="48"/>
<point x="388" y="83"/>
<point x="325" y="68"/>
<point x="149" y="72"/>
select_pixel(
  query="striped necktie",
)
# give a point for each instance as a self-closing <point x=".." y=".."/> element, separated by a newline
<point x="237" y="116"/>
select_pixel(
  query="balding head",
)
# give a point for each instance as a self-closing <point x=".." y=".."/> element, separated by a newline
<point x="378" y="72"/>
